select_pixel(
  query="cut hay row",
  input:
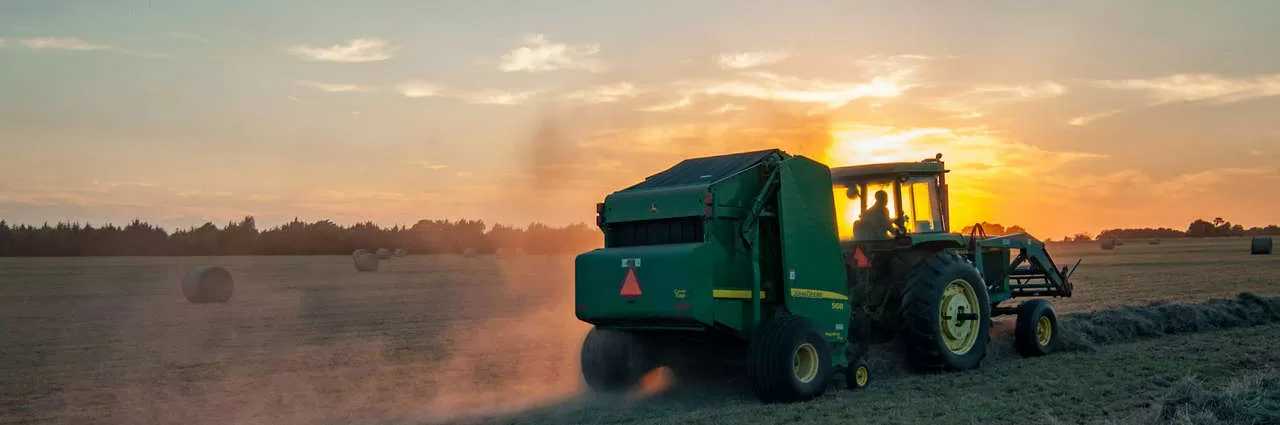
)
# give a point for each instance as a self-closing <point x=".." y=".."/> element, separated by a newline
<point x="1086" y="331"/>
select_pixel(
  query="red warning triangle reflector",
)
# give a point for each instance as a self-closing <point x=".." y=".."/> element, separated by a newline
<point x="861" y="258"/>
<point x="630" y="286"/>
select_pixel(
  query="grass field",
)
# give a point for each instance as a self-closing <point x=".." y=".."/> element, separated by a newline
<point x="308" y="340"/>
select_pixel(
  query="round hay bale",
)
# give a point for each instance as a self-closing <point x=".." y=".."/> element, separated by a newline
<point x="1261" y="245"/>
<point x="400" y="252"/>
<point x="1108" y="244"/>
<point x="383" y="254"/>
<point x="1154" y="241"/>
<point x="357" y="252"/>
<point x="366" y="262"/>
<point x="469" y="252"/>
<point x="207" y="284"/>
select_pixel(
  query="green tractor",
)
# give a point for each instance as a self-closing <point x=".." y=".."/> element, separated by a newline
<point x="737" y="261"/>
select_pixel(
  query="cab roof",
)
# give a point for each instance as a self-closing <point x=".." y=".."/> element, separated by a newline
<point x="887" y="170"/>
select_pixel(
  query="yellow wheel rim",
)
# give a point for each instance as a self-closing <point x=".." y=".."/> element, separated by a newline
<point x="860" y="376"/>
<point x="958" y="334"/>
<point x="806" y="363"/>
<point x="1044" y="331"/>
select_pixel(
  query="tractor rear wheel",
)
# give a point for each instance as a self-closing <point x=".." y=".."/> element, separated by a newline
<point x="788" y="360"/>
<point x="1037" y="331"/>
<point x="613" y="361"/>
<point x="946" y="315"/>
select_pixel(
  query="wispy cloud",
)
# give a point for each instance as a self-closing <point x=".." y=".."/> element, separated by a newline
<point x="680" y="103"/>
<point x="357" y="50"/>
<point x="335" y="88"/>
<point x="1200" y="87"/>
<point x="833" y="94"/>
<point x="79" y="45"/>
<point x="747" y="60"/>
<point x="605" y="93"/>
<point x="539" y="55"/>
<point x="430" y="165"/>
<point x="416" y="89"/>
<point x="728" y="107"/>
<point x="498" y="97"/>
<point x="972" y="101"/>
<point x="187" y="36"/>
<point x="1208" y="88"/>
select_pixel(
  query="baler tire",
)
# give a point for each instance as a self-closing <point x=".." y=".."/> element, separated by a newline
<point x="772" y="355"/>
<point x="613" y="361"/>
<point x="925" y="347"/>
<point x="858" y="375"/>
<point x="1028" y="337"/>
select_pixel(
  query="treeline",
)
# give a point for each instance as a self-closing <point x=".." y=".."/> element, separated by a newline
<point x="1200" y="228"/>
<point x="293" y="238"/>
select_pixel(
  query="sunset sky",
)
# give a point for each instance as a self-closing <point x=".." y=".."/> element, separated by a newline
<point x="1059" y="116"/>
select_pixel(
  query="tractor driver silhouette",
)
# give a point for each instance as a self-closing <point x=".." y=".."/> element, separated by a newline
<point x="875" y="223"/>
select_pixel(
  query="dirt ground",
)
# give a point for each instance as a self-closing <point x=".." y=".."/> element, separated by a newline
<point x="308" y="340"/>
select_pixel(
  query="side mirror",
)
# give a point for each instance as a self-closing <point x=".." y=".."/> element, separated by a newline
<point x="851" y="192"/>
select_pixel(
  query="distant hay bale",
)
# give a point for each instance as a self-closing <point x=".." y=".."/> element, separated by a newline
<point x="1154" y="241"/>
<point x="400" y="252"/>
<point x="469" y="252"/>
<point x="383" y="254"/>
<point x="357" y="252"/>
<point x="1108" y="244"/>
<point x="207" y="284"/>
<point x="366" y="262"/>
<point x="1261" y="245"/>
<point x="1119" y="241"/>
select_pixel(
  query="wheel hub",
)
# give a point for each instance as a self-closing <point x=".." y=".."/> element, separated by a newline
<point x="959" y="316"/>
<point x="1044" y="330"/>
<point x="806" y="363"/>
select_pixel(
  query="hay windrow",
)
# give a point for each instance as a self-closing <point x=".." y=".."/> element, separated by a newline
<point x="1251" y="400"/>
<point x="1086" y="331"/>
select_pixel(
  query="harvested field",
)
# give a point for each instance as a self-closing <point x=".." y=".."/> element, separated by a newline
<point x="309" y="340"/>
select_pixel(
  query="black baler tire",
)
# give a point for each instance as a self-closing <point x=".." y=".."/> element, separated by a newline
<point x="613" y="361"/>
<point x="1024" y="335"/>
<point x="921" y="305"/>
<point x="770" y="357"/>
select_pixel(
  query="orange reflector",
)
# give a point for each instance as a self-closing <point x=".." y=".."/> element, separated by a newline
<point x="861" y="258"/>
<point x="630" y="286"/>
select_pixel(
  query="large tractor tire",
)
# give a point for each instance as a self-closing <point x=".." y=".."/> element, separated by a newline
<point x="613" y="361"/>
<point x="788" y="360"/>
<point x="946" y="315"/>
<point x="1037" y="331"/>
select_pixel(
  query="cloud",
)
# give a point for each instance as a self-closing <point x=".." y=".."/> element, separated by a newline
<point x="1199" y="87"/>
<point x="79" y="45"/>
<point x="605" y="94"/>
<point x="747" y="60"/>
<point x="1190" y="88"/>
<point x="357" y="50"/>
<point x="430" y="165"/>
<point x="680" y="103"/>
<point x="833" y="94"/>
<point x="540" y="55"/>
<point x="728" y="107"/>
<point x="499" y="97"/>
<point x="972" y="101"/>
<point x="416" y="89"/>
<point x="335" y="88"/>
<point x="187" y="36"/>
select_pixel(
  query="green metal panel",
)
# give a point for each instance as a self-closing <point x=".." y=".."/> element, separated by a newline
<point x="812" y="264"/>
<point x="675" y="281"/>
<point x="683" y="201"/>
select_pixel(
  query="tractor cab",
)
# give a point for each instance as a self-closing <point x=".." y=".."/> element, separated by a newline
<point x="885" y="201"/>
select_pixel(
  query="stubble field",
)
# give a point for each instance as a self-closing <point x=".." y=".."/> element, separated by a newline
<point x="308" y="340"/>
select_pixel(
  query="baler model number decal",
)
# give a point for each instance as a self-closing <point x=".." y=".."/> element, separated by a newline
<point x="630" y="262"/>
<point x="817" y="293"/>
